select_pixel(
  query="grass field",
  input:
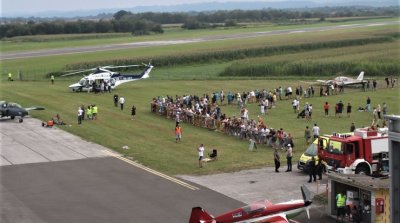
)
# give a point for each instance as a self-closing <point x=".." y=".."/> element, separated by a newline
<point x="151" y="137"/>
<point x="67" y="40"/>
<point x="37" y="68"/>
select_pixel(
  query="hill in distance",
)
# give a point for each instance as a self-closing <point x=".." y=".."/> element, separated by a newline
<point x="208" y="6"/>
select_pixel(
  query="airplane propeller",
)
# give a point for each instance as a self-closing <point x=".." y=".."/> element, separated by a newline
<point x="307" y="199"/>
<point x="308" y="212"/>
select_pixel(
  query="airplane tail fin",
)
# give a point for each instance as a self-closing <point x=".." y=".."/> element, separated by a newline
<point x="199" y="215"/>
<point x="360" y="76"/>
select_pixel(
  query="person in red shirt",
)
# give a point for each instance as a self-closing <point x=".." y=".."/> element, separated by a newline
<point x="178" y="132"/>
<point x="326" y="109"/>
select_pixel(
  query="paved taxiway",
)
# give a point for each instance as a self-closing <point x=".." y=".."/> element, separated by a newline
<point x="133" y="45"/>
<point x="91" y="185"/>
<point x="98" y="185"/>
<point x="28" y="142"/>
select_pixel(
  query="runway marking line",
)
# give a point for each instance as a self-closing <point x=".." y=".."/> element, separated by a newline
<point x="151" y="170"/>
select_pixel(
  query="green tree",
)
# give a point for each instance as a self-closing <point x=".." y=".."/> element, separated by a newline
<point x="230" y="22"/>
<point x="120" y="14"/>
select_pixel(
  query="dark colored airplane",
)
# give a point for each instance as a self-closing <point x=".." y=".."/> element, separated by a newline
<point x="12" y="110"/>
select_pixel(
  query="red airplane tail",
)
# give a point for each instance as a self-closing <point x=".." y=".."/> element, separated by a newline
<point x="199" y="215"/>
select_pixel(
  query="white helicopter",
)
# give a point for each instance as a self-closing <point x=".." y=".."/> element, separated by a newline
<point x="110" y="79"/>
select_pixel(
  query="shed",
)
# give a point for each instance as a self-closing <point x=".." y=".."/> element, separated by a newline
<point x="370" y="195"/>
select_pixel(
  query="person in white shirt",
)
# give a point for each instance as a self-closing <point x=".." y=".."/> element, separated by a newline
<point x="200" y="150"/>
<point x="80" y="114"/>
<point x="315" y="131"/>
<point x="289" y="92"/>
<point x="294" y="104"/>
<point x="122" y="102"/>
<point x="262" y="107"/>
<point x="289" y="154"/>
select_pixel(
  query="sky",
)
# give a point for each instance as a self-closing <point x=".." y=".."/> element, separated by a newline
<point x="34" y="6"/>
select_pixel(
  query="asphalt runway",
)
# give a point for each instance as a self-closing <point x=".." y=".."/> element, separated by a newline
<point x="48" y="175"/>
<point x="28" y="142"/>
<point x="134" y="45"/>
<point x="98" y="190"/>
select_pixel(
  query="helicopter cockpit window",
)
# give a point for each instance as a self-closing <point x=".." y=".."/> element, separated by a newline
<point x="112" y="81"/>
<point x="15" y="105"/>
<point x="82" y="81"/>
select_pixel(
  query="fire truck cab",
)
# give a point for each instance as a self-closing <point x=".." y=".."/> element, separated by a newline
<point x="365" y="152"/>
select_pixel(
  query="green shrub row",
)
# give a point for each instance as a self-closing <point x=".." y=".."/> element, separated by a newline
<point x="311" y="68"/>
<point x="231" y="55"/>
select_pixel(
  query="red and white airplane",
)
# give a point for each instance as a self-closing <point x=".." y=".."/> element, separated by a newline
<point x="257" y="212"/>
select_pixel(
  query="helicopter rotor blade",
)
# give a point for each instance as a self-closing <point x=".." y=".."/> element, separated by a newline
<point x="77" y="72"/>
<point x="102" y="69"/>
<point x="112" y="67"/>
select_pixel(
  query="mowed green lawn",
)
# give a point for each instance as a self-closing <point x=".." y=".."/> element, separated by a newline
<point x="151" y="137"/>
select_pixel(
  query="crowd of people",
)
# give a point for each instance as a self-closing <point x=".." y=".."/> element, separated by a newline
<point x="203" y="112"/>
<point x="90" y="112"/>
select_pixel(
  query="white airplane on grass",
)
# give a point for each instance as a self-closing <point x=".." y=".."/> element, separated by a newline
<point x="344" y="81"/>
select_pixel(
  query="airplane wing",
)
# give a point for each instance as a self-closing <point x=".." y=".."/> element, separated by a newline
<point x="279" y="218"/>
<point x="324" y="81"/>
<point x="353" y="83"/>
<point x="310" y="82"/>
<point x="34" y="108"/>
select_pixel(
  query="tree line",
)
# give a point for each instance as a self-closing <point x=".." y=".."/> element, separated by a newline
<point x="136" y="27"/>
<point x="151" y="22"/>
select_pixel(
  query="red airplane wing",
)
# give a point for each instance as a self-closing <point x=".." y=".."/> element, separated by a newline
<point x="274" y="219"/>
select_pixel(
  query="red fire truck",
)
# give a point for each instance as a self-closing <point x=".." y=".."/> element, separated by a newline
<point x="365" y="152"/>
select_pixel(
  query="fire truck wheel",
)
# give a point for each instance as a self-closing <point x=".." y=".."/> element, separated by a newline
<point x="362" y="170"/>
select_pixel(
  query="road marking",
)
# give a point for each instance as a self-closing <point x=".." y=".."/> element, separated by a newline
<point x="151" y="170"/>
